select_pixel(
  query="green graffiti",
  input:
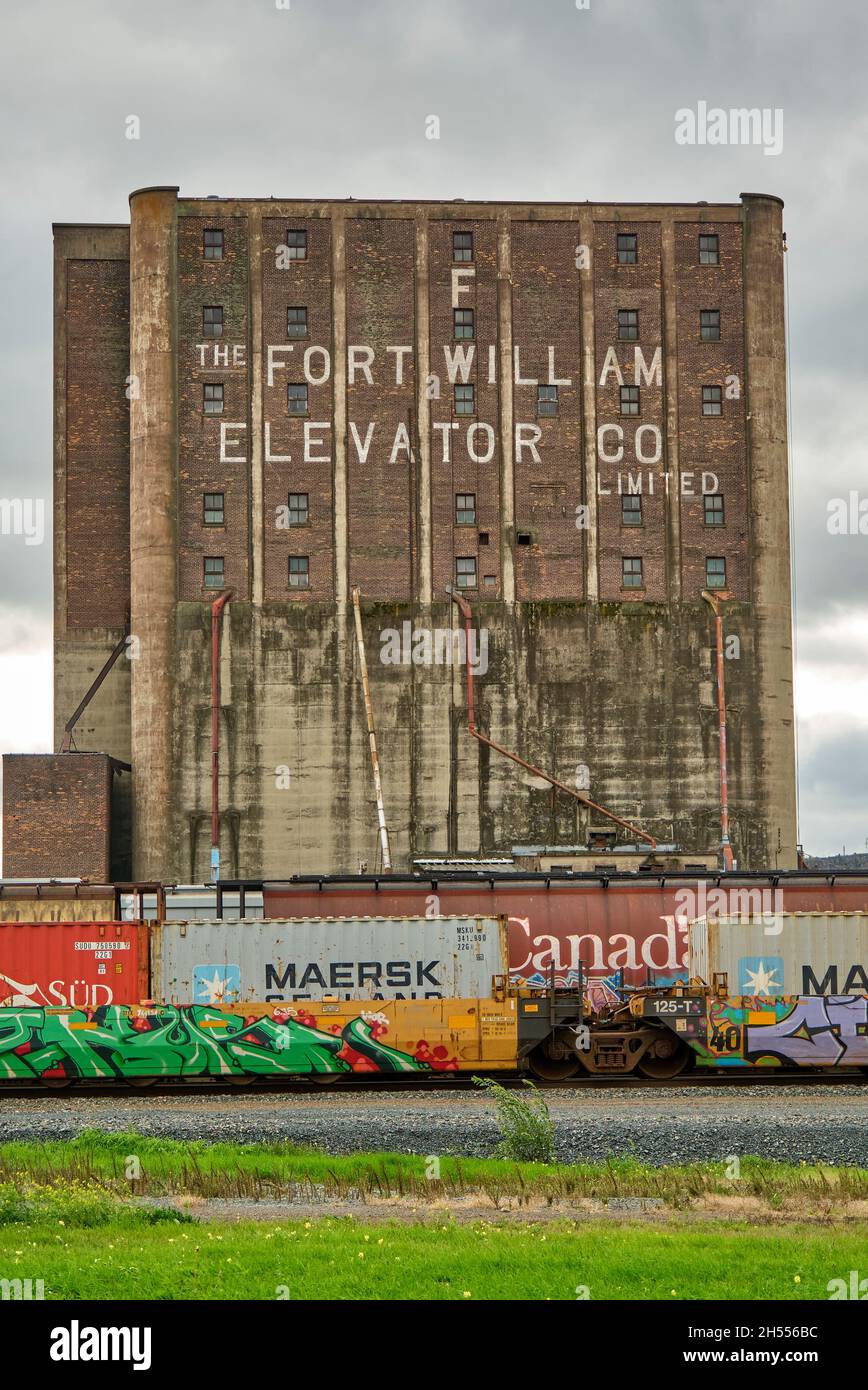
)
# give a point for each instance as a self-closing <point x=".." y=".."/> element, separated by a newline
<point x="187" y="1040"/>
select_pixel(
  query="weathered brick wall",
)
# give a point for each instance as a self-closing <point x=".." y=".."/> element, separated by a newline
<point x="303" y="283"/>
<point x="97" y="444"/>
<point x="713" y="444"/>
<point x="546" y="313"/>
<point x="57" y="816"/>
<point x="381" y="256"/>
<point x="215" y="283"/>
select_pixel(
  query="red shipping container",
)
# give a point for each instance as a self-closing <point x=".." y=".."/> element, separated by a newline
<point x="83" y="964"/>
<point x="641" y="927"/>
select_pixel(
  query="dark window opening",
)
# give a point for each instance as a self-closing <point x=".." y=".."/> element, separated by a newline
<point x="296" y="398"/>
<point x="630" y="400"/>
<point x="628" y="324"/>
<point x="213" y="571"/>
<point x="631" y="572"/>
<point x="709" y="325"/>
<point x="628" y="248"/>
<point x="212" y="320"/>
<point x="212" y="244"/>
<point x="299" y="572"/>
<point x="547" y="400"/>
<point x="296" y="322"/>
<point x="213" y="509"/>
<point x="462" y="246"/>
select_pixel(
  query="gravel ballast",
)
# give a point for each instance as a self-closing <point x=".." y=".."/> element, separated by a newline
<point x="793" y="1123"/>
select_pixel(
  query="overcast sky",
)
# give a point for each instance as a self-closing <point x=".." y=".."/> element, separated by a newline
<point x="537" y="100"/>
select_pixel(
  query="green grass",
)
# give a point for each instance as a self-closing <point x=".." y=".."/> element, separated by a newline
<point x="267" y="1170"/>
<point x="342" y="1259"/>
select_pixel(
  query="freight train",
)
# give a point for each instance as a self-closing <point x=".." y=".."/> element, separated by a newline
<point x="422" y="997"/>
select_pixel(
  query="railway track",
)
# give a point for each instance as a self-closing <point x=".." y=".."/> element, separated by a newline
<point x="443" y="1081"/>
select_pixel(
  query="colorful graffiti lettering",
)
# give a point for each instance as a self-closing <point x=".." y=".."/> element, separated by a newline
<point x="192" y="1040"/>
<point x="815" y="1031"/>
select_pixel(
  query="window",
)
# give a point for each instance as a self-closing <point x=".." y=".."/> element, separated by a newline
<point x="213" y="571"/>
<point x="627" y="248"/>
<point x="547" y="400"/>
<point x="212" y="244"/>
<point x="462" y="246"/>
<point x="299" y="511"/>
<point x="631" y="509"/>
<point x="628" y="324"/>
<point x="212" y="320"/>
<point x="212" y="509"/>
<point x="631" y="572"/>
<point x="296" y="322"/>
<point x="709" y="250"/>
<point x="212" y="397"/>
<point x="714" y="515"/>
<point x="464" y="400"/>
<point x="465" y="509"/>
<point x="629" y="400"/>
<point x="296" y="245"/>
<point x="523" y="538"/>
<point x="712" y="400"/>
<point x="299" y="572"/>
<point x="296" y="398"/>
<point x="462" y="320"/>
<point x="709" y="325"/>
<point x="465" y="572"/>
<point x="715" y="572"/>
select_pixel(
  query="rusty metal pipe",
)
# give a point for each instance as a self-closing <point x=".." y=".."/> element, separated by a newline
<point x="713" y="601"/>
<point x="464" y="606"/>
<point x="216" y="611"/>
<point x="372" y="735"/>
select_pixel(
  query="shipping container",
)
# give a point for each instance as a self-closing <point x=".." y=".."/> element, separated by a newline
<point x="607" y="925"/>
<point x="307" y="958"/>
<point x="81" y="964"/>
<point x="794" y="953"/>
<point x="50" y="902"/>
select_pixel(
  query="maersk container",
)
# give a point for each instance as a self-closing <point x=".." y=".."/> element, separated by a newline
<point x="783" y="953"/>
<point x="82" y="964"/>
<point x="217" y="962"/>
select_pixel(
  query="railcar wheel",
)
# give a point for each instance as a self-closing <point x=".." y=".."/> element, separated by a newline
<point x="324" y="1078"/>
<point x="238" y="1080"/>
<point x="548" y="1068"/>
<point x="141" y="1083"/>
<point x="57" y="1083"/>
<point x="666" y="1058"/>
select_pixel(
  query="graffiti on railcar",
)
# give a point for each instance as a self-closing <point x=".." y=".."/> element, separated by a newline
<point x="115" y="1041"/>
<point x="815" y="1031"/>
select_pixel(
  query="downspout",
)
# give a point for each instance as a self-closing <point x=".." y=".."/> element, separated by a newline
<point x="372" y="735"/>
<point x="713" y="601"/>
<point x="216" y="615"/>
<point x="529" y="767"/>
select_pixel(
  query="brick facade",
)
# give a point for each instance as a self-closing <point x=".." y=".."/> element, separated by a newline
<point x="57" y="816"/>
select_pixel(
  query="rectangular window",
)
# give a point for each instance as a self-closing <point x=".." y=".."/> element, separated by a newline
<point x="628" y="253"/>
<point x="213" y="571"/>
<point x="212" y="397"/>
<point x="462" y="246"/>
<point x="547" y="400"/>
<point x="709" y="325"/>
<point x="462" y="321"/>
<point x="296" y="245"/>
<point x="714" y="515"/>
<point x="299" y="572"/>
<point x="299" y="512"/>
<point x="296" y="398"/>
<point x="712" y="400"/>
<point x="628" y="325"/>
<point x="465" y="509"/>
<point x="631" y="509"/>
<point x="465" y="572"/>
<point x="212" y="508"/>
<point x="715" y="572"/>
<point x="629" y="400"/>
<point x="212" y="320"/>
<point x="631" y="572"/>
<point x="709" y="250"/>
<point x="212" y="244"/>
<point x="465" y="400"/>
<point x="296" y="322"/>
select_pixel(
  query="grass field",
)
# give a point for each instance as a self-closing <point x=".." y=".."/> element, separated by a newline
<point x="262" y="1170"/>
<point x="70" y="1217"/>
<point x="130" y="1257"/>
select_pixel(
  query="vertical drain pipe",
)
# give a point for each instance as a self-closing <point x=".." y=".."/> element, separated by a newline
<point x="372" y="736"/>
<point x="713" y="601"/>
<point x="216" y="611"/>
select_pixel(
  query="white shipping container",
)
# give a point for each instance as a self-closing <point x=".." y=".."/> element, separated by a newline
<point x="216" y="962"/>
<point x="784" y="953"/>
